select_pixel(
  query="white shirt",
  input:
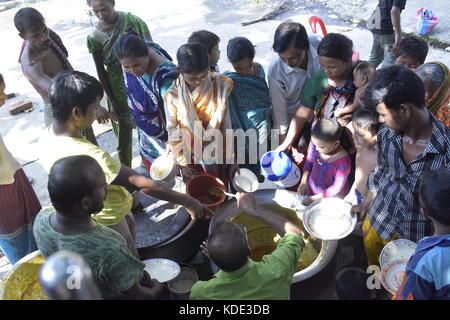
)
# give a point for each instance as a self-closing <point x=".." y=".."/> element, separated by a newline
<point x="286" y="84"/>
<point x="8" y="165"/>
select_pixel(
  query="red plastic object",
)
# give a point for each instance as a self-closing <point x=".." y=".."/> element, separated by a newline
<point x="198" y="188"/>
<point x="313" y="21"/>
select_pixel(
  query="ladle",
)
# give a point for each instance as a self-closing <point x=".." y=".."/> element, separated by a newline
<point x="217" y="191"/>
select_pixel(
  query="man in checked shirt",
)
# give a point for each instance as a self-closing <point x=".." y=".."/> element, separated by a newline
<point x="410" y="142"/>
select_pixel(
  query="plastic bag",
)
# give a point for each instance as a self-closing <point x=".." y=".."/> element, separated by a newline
<point x="426" y="21"/>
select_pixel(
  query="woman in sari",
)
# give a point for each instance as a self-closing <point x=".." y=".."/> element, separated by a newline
<point x="250" y="103"/>
<point x="329" y="89"/>
<point x="111" y="25"/>
<point x="148" y="74"/>
<point x="196" y="103"/>
<point x="435" y="76"/>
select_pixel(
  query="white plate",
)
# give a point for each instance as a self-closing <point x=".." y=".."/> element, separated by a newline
<point x="397" y="249"/>
<point x="162" y="269"/>
<point x="329" y="219"/>
<point x="392" y="275"/>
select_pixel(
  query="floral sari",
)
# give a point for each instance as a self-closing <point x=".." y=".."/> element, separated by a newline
<point x="438" y="104"/>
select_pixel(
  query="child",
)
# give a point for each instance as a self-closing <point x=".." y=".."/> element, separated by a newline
<point x="362" y="75"/>
<point x="211" y="42"/>
<point x="249" y="102"/>
<point x="351" y="284"/>
<point x="327" y="165"/>
<point x="365" y="125"/>
<point x="411" y="52"/>
<point x="428" y="270"/>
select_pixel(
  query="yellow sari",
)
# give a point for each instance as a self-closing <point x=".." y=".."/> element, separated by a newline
<point x="189" y="114"/>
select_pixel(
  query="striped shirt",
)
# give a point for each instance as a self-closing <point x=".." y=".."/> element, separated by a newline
<point x="428" y="271"/>
<point x="395" y="209"/>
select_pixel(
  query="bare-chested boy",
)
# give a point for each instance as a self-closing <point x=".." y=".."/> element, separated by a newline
<point x="365" y="125"/>
<point x="43" y="56"/>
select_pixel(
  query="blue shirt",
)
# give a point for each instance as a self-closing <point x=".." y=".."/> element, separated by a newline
<point x="428" y="271"/>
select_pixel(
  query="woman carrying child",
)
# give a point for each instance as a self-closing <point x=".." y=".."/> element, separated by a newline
<point x="250" y="104"/>
<point x="148" y="74"/>
<point x="198" y="101"/>
<point x="328" y="90"/>
<point x="327" y="164"/>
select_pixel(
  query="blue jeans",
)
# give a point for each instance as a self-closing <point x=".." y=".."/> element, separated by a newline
<point x="380" y="50"/>
<point x="18" y="247"/>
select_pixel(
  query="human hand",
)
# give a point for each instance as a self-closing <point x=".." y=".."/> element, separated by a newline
<point x="303" y="189"/>
<point x="307" y="201"/>
<point x="360" y="211"/>
<point x="284" y="147"/>
<point x="246" y="202"/>
<point x="187" y="173"/>
<point x="297" y="155"/>
<point x="103" y="115"/>
<point x="204" y="248"/>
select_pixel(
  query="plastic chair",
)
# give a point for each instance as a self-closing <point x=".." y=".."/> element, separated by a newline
<point x="314" y="20"/>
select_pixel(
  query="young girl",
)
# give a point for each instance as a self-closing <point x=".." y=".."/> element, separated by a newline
<point x="327" y="165"/>
<point x="250" y="104"/>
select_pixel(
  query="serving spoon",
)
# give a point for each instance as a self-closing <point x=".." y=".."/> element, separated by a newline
<point x="217" y="191"/>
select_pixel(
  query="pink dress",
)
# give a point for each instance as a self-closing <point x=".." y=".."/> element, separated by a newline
<point x="329" y="179"/>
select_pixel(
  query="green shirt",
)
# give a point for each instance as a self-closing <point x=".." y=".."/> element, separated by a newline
<point x="269" y="279"/>
<point x="114" y="268"/>
<point x="313" y="89"/>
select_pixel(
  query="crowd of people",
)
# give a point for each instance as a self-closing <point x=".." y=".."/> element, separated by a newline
<point x="373" y="132"/>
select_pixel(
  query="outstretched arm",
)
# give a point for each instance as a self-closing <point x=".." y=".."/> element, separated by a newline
<point x="282" y="226"/>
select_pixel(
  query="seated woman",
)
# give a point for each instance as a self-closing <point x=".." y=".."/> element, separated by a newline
<point x="148" y="74"/>
<point x="435" y="76"/>
<point x="328" y="90"/>
<point x="198" y="102"/>
<point x="250" y="104"/>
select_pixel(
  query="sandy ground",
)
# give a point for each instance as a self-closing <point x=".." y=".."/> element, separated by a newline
<point x="170" y="22"/>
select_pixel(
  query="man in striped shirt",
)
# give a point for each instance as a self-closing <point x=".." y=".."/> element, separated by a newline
<point x="410" y="142"/>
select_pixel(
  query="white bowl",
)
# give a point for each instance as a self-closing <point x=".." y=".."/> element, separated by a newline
<point x="331" y="217"/>
<point x="245" y="181"/>
<point x="397" y="250"/>
<point x="162" y="270"/>
<point x="164" y="168"/>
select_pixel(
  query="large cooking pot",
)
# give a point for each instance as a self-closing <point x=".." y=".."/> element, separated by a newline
<point x="167" y="231"/>
<point x="283" y="198"/>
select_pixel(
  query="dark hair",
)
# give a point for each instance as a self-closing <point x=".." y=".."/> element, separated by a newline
<point x="434" y="194"/>
<point x="393" y="86"/>
<point x="90" y="2"/>
<point x="366" y="68"/>
<point x="327" y="130"/>
<point x="336" y="46"/>
<point x="240" y="48"/>
<point x="228" y="247"/>
<point x="412" y="47"/>
<point x="290" y="35"/>
<point x="351" y="284"/>
<point x="204" y="37"/>
<point x="1" y="79"/>
<point x="72" y="89"/>
<point x="28" y="19"/>
<point x="192" y="58"/>
<point x="130" y="46"/>
<point x="70" y="179"/>
<point x="366" y="118"/>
